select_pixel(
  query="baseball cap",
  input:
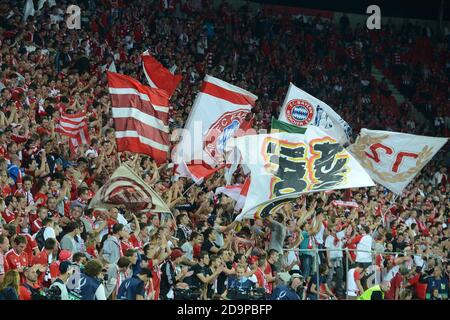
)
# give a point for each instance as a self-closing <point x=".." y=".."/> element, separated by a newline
<point x="295" y="272"/>
<point x="284" y="276"/>
<point x="176" y="253"/>
<point x="65" y="255"/>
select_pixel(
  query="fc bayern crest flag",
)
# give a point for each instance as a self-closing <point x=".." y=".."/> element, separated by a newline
<point x="126" y="188"/>
<point x="303" y="110"/>
<point x="219" y="111"/>
<point x="286" y="165"/>
<point x="393" y="159"/>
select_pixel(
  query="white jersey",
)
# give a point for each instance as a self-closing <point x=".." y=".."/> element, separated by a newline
<point x="352" y="287"/>
<point x="319" y="235"/>
<point x="365" y="244"/>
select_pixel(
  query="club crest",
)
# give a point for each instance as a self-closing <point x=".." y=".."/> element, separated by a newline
<point x="299" y="112"/>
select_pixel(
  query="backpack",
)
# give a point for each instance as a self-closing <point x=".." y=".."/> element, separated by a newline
<point x="40" y="241"/>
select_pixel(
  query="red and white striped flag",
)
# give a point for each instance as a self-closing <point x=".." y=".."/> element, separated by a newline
<point x="157" y="76"/>
<point x="75" y="127"/>
<point x="243" y="195"/>
<point x="140" y="117"/>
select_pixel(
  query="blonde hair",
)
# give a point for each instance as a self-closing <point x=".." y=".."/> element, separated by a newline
<point x="11" y="280"/>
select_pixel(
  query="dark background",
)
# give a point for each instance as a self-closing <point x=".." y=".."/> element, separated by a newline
<point x="425" y="9"/>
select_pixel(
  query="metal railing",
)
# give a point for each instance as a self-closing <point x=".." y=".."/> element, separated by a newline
<point x="347" y="251"/>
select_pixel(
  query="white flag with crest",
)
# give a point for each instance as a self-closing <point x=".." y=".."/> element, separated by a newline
<point x="302" y="110"/>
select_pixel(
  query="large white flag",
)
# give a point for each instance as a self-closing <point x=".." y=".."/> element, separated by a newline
<point x="28" y="10"/>
<point x="126" y="188"/>
<point x="393" y="159"/>
<point x="219" y="110"/>
<point x="302" y="109"/>
<point x="286" y="165"/>
<point x="41" y="3"/>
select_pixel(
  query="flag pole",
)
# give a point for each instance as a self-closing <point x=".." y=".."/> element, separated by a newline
<point x="190" y="187"/>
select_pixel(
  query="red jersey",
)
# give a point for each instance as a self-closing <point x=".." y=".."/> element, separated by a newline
<point x="268" y="270"/>
<point x="31" y="246"/>
<point x="25" y="293"/>
<point x="156" y="278"/>
<point x="261" y="278"/>
<point x="14" y="260"/>
<point x="9" y="216"/>
<point x="135" y="242"/>
<point x="36" y="225"/>
<point x="38" y="201"/>
<point x="125" y="245"/>
<point x="42" y="259"/>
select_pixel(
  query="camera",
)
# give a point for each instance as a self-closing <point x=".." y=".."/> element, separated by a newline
<point x="192" y="293"/>
<point x="53" y="293"/>
<point x="248" y="294"/>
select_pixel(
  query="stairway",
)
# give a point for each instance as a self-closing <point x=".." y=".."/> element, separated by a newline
<point x="378" y="75"/>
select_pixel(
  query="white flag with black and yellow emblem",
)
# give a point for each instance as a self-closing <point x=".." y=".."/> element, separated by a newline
<point x="286" y="165"/>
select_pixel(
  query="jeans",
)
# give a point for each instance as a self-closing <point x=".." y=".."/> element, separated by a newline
<point x="337" y="269"/>
<point x="306" y="261"/>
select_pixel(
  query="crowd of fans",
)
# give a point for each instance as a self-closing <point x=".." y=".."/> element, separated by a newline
<point x="308" y="250"/>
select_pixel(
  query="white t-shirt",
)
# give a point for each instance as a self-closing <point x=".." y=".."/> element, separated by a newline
<point x="391" y="274"/>
<point x="410" y="221"/>
<point x="290" y="258"/>
<point x="352" y="288"/>
<point x="49" y="232"/>
<point x="189" y="250"/>
<point x="122" y="220"/>
<point x="364" y="244"/>
<point x="329" y="244"/>
<point x="319" y="235"/>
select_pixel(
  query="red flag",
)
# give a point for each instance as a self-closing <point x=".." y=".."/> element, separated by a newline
<point x="197" y="172"/>
<point x="140" y="117"/>
<point x="159" y="77"/>
<point x="75" y="127"/>
<point x="243" y="195"/>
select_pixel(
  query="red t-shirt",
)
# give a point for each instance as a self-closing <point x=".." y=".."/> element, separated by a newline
<point x="396" y="282"/>
<point x="41" y="258"/>
<point x="14" y="260"/>
<point x="156" y="278"/>
<point x="420" y="288"/>
<point x="268" y="270"/>
<point x="36" y="226"/>
<point x="196" y="250"/>
<point x="31" y="246"/>
<point x="92" y="251"/>
<point x="135" y="242"/>
<point x="25" y="293"/>
<point x="9" y="216"/>
<point x="125" y="246"/>
<point x="42" y="196"/>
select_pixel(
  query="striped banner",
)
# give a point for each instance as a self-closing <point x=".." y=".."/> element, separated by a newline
<point x="140" y="117"/>
<point x="75" y="127"/>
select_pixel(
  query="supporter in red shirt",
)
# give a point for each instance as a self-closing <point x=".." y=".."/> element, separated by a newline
<point x="397" y="283"/>
<point x="17" y="258"/>
<point x="37" y="223"/>
<point x="32" y="248"/>
<point x="30" y="287"/>
<point x="64" y="255"/>
<point x="4" y="247"/>
<point x="44" y="259"/>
